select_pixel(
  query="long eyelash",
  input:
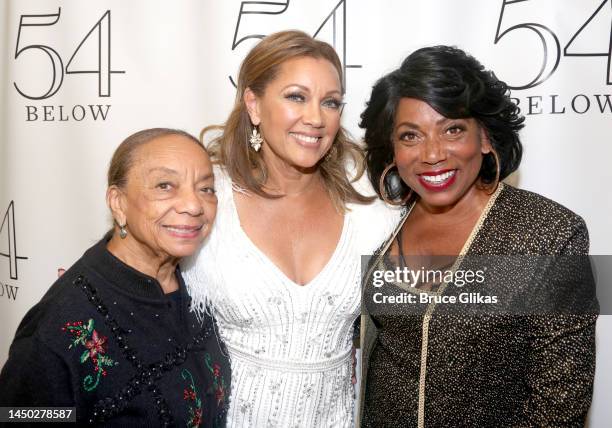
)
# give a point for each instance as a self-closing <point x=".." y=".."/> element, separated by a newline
<point x="337" y="104"/>
<point x="295" y="96"/>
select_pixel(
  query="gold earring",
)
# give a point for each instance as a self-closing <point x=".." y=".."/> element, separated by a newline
<point x="492" y="187"/>
<point x="382" y="188"/>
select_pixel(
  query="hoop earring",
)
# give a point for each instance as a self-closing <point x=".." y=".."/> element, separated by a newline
<point x="382" y="189"/>
<point x="255" y="139"/>
<point x="490" y="186"/>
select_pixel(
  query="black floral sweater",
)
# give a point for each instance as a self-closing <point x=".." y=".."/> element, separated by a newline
<point x="106" y="339"/>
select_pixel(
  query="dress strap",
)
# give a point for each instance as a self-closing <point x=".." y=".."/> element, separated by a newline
<point x="401" y="249"/>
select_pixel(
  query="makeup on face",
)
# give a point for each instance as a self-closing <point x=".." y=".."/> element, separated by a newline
<point x="437" y="157"/>
<point x="299" y="112"/>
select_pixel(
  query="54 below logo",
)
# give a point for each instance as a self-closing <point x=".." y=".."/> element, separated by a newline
<point x="8" y="250"/>
<point x="92" y="55"/>
<point x="10" y="291"/>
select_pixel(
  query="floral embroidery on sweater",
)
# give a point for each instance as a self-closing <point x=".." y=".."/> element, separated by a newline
<point x="190" y="394"/>
<point x="95" y="345"/>
<point x="218" y="386"/>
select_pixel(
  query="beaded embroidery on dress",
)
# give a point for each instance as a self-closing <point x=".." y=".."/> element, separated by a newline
<point x="289" y="345"/>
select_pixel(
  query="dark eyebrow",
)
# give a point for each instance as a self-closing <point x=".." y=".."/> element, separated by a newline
<point x="407" y="124"/>
<point x="305" y="89"/>
<point x="415" y="126"/>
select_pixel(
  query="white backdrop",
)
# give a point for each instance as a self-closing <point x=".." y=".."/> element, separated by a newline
<point x="77" y="77"/>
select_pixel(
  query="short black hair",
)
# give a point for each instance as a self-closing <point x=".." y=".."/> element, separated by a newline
<point x="457" y="86"/>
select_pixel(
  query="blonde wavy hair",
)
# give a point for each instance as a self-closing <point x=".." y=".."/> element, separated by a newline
<point x="231" y="148"/>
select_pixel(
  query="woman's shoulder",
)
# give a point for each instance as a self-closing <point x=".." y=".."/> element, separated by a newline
<point x="76" y="296"/>
<point x="536" y="207"/>
<point x="62" y="304"/>
<point x="35" y="372"/>
<point x="374" y="221"/>
<point x="527" y="222"/>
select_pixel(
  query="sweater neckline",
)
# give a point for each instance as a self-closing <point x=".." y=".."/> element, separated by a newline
<point x="123" y="276"/>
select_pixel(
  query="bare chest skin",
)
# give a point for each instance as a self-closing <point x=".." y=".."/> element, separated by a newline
<point x="298" y="234"/>
<point x="441" y="231"/>
<point x="425" y="237"/>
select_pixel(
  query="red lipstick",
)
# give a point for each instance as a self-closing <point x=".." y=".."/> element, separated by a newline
<point x="439" y="185"/>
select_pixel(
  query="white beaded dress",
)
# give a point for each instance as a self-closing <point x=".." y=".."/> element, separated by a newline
<point x="289" y="345"/>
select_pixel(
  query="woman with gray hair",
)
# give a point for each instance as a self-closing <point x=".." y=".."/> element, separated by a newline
<point x="114" y="337"/>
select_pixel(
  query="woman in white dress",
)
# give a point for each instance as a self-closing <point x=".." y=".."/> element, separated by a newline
<point x="281" y="269"/>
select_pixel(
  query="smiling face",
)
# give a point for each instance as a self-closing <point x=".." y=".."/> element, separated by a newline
<point x="299" y="112"/>
<point x="437" y="157"/>
<point x="168" y="202"/>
